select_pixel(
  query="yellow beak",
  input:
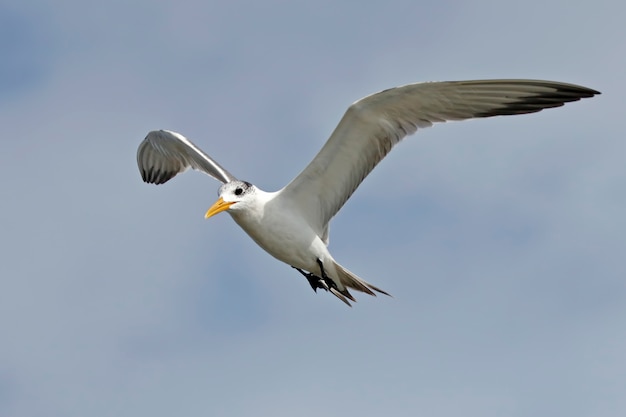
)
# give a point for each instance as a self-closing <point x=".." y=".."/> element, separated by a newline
<point x="219" y="206"/>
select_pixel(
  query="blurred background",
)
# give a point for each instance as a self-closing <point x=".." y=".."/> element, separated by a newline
<point x="504" y="246"/>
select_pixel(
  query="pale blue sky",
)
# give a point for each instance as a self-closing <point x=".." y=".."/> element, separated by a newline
<point x="503" y="245"/>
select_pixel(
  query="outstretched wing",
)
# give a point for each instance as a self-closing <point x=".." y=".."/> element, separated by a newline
<point x="373" y="125"/>
<point x="164" y="154"/>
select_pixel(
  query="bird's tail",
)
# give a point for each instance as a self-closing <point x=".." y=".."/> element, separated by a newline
<point x="350" y="280"/>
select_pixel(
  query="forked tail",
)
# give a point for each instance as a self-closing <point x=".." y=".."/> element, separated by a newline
<point x="350" y="280"/>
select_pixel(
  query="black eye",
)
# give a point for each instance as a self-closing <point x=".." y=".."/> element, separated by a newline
<point x="238" y="191"/>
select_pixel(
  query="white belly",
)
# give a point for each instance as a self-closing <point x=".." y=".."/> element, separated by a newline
<point x="287" y="239"/>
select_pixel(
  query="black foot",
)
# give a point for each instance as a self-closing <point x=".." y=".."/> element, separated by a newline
<point x="314" y="281"/>
<point x="325" y="283"/>
<point x="329" y="283"/>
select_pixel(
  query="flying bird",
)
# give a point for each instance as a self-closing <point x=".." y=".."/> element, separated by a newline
<point x="291" y="224"/>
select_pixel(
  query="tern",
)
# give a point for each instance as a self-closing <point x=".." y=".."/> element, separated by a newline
<point x="292" y="224"/>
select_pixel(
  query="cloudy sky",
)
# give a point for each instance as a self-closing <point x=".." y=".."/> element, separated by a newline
<point x="503" y="244"/>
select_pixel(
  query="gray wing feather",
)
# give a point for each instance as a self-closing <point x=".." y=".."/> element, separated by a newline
<point x="373" y="125"/>
<point x="163" y="154"/>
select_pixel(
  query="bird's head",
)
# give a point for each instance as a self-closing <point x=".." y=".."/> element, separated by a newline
<point x="234" y="195"/>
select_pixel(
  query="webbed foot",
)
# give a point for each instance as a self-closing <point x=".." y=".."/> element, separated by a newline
<point x="314" y="281"/>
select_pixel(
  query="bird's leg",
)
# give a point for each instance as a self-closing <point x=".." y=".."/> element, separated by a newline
<point x="332" y="287"/>
<point x="328" y="283"/>
<point x="314" y="281"/>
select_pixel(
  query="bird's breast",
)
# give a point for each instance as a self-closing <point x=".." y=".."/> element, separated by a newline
<point x="286" y="237"/>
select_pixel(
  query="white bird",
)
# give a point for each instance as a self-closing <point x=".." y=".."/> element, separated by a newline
<point x="292" y="224"/>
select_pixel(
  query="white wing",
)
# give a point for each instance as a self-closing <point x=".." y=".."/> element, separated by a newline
<point x="374" y="124"/>
<point x="164" y="154"/>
